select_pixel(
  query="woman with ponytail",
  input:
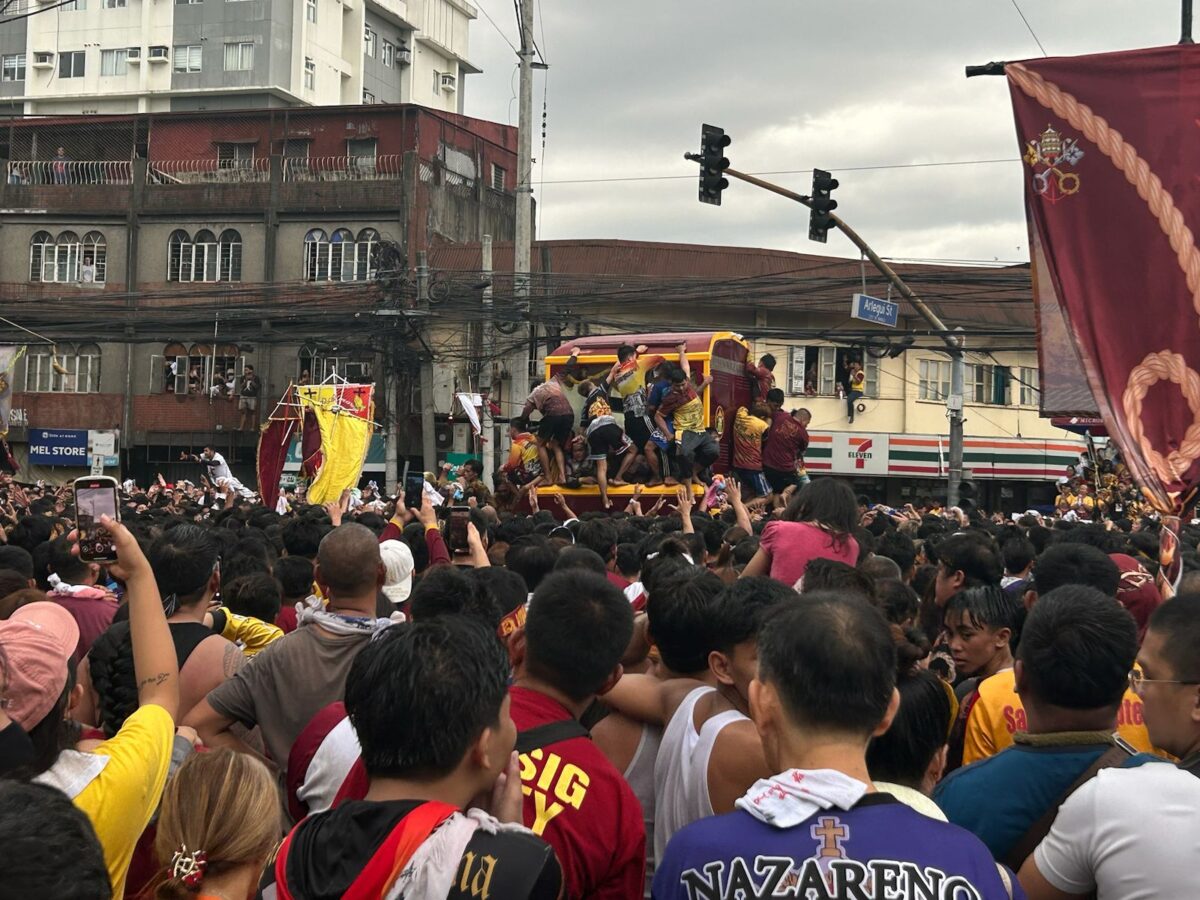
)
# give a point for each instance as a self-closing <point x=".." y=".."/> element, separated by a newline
<point x="219" y="825"/>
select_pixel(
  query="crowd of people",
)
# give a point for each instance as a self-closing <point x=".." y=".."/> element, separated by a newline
<point x="661" y="438"/>
<point x="697" y="700"/>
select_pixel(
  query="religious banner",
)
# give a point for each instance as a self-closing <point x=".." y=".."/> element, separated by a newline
<point x="342" y="416"/>
<point x="9" y="354"/>
<point x="1109" y="144"/>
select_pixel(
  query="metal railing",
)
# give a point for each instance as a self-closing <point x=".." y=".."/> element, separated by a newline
<point x="208" y="171"/>
<point x="68" y="172"/>
<point x="343" y="168"/>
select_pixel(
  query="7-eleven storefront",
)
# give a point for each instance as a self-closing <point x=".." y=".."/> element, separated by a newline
<point x="1012" y="474"/>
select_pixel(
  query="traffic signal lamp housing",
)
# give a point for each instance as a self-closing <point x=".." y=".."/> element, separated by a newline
<point x="713" y="163"/>
<point x="820" y="220"/>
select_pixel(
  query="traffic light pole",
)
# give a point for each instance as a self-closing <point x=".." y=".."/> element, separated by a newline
<point x="953" y="342"/>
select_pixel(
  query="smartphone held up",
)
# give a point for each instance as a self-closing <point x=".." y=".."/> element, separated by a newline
<point x="95" y="496"/>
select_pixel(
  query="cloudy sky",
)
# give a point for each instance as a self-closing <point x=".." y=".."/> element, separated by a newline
<point x="836" y="84"/>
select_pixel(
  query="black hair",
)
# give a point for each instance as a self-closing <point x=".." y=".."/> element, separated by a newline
<point x="183" y="560"/>
<point x="50" y="847"/>
<point x="18" y="559"/>
<point x="989" y="607"/>
<point x="899" y="548"/>
<point x="302" y="536"/>
<point x="295" y="574"/>
<point x="832" y="660"/>
<point x="974" y="554"/>
<point x="531" y="557"/>
<point x="1077" y="648"/>
<point x="767" y="361"/>
<point x="837" y="577"/>
<point x="776" y="395"/>
<point x="1178" y="622"/>
<point x="903" y="753"/>
<point x="441" y="590"/>
<point x="475" y="464"/>
<point x="743" y="551"/>
<point x="421" y="693"/>
<point x="879" y="568"/>
<point x="628" y="560"/>
<point x="258" y="595"/>
<point x="239" y="565"/>
<point x="827" y="502"/>
<point x="684" y="618"/>
<point x="1018" y="553"/>
<point x="897" y="601"/>
<point x="110" y="666"/>
<point x="599" y="535"/>
<point x="1068" y="563"/>
<point x="65" y="564"/>
<point x="414" y="535"/>
<point x="626" y="352"/>
<point x="576" y="632"/>
<point x="500" y="589"/>
<point x="1094" y="536"/>
<point x="31" y="531"/>
<point x="745" y="605"/>
<point x="12" y="581"/>
<point x="1039" y="536"/>
<point x="580" y="558"/>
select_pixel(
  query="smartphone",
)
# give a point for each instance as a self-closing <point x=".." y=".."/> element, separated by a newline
<point x="95" y="496"/>
<point x="456" y="528"/>
<point x="414" y="490"/>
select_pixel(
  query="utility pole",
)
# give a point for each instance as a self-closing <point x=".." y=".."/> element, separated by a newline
<point x="523" y="238"/>
<point x="952" y="341"/>
<point x="492" y="457"/>
<point x="428" y="437"/>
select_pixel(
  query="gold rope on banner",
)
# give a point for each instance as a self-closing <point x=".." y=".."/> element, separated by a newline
<point x="1163" y="365"/>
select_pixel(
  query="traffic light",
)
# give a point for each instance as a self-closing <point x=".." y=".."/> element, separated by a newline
<point x="713" y="163"/>
<point x="820" y="221"/>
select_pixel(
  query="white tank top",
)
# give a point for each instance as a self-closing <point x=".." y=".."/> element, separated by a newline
<point x="639" y="775"/>
<point x="681" y="771"/>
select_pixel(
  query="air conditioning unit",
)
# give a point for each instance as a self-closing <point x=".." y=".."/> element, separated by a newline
<point x="403" y="56"/>
<point x="159" y="54"/>
<point x="134" y="55"/>
<point x="43" y="59"/>
<point x="449" y="83"/>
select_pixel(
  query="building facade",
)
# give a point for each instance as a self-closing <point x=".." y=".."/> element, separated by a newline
<point x="128" y="56"/>
<point x="171" y="251"/>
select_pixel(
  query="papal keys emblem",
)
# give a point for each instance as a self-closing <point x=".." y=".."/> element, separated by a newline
<point x="1048" y="156"/>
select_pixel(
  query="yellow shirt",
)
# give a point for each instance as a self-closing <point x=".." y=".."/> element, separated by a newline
<point x="998" y="714"/>
<point x="253" y="634"/>
<point x="121" y="800"/>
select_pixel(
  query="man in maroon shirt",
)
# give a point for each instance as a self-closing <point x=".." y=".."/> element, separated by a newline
<point x="73" y="587"/>
<point x="786" y="442"/>
<point x="569" y="652"/>
<point x="763" y="376"/>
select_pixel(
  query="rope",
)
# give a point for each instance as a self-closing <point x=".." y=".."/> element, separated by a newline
<point x="1163" y="365"/>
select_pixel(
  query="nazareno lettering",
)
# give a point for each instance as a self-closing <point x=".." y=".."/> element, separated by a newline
<point x="842" y="879"/>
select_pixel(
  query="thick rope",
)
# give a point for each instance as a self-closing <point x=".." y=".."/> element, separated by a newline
<point x="1163" y="365"/>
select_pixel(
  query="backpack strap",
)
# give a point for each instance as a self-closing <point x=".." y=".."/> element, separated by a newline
<point x="550" y="733"/>
<point x="1191" y="764"/>
<point x="1115" y="755"/>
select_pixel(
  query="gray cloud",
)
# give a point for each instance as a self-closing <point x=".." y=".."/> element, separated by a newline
<point x="797" y="84"/>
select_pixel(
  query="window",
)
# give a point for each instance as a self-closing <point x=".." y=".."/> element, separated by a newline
<point x="187" y="58"/>
<point x="389" y="53"/>
<point x="66" y="258"/>
<point x="988" y="384"/>
<point x="235" y="156"/>
<point x="76" y="6"/>
<point x="239" y="57"/>
<point x="369" y="41"/>
<point x="362" y="152"/>
<point x="321" y="361"/>
<point x="204" y="257"/>
<point x="188" y="2"/>
<point x="12" y="67"/>
<point x="797" y="359"/>
<point x="933" y="379"/>
<point x="310" y="10"/>
<point x="368" y="97"/>
<point x="80" y="369"/>
<point x="498" y="176"/>
<point x="114" y="4"/>
<point x="437" y="83"/>
<point x="114" y="62"/>
<point x="70" y="64"/>
<point x="310" y="74"/>
<point x="341" y="256"/>
<point x="1030" y="386"/>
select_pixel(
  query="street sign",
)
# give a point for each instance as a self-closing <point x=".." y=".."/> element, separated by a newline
<point x="875" y="309"/>
<point x="104" y="443"/>
<point x="58" y="447"/>
<point x="97" y="464"/>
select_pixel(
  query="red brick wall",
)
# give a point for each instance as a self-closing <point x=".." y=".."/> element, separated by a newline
<point x="70" y="410"/>
<point x="183" y="412"/>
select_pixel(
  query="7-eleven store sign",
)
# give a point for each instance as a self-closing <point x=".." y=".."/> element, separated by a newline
<point x="848" y="453"/>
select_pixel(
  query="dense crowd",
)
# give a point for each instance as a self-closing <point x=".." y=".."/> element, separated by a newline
<point x="708" y="698"/>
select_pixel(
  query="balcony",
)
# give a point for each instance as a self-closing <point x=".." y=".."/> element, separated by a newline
<point x="208" y="171"/>
<point x="56" y="183"/>
<point x="343" y="168"/>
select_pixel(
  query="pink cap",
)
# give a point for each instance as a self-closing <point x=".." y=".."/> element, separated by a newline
<point x="38" y="642"/>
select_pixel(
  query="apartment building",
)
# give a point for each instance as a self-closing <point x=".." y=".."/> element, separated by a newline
<point x="95" y="57"/>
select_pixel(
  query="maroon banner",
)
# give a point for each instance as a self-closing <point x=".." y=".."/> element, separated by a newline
<point x="273" y="443"/>
<point x="1110" y="144"/>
